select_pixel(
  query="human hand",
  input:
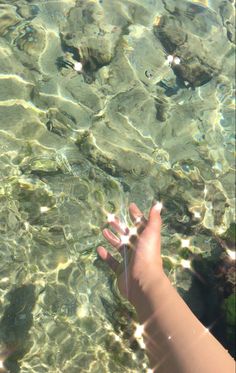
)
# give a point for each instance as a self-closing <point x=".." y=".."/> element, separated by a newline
<point x="168" y="331"/>
<point x="140" y="246"/>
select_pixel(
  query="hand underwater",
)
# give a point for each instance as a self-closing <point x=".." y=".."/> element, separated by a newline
<point x="140" y="247"/>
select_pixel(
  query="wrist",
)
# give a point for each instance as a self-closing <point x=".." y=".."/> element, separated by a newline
<point x="145" y="299"/>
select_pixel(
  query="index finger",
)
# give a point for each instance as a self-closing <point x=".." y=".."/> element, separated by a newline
<point x="135" y="214"/>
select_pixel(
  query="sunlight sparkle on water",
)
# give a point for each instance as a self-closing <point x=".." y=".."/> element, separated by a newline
<point x="4" y="279"/>
<point x="185" y="242"/>
<point x="124" y="240"/>
<point x="133" y="231"/>
<point x="139" y="331"/>
<point x="83" y="311"/>
<point x="176" y="61"/>
<point x="185" y="263"/>
<point x="117" y="338"/>
<point x="110" y="217"/>
<point x="170" y="58"/>
<point x="232" y="254"/>
<point x="138" y="220"/>
<point x="2" y="366"/>
<point x="197" y="214"/>
<point x="78" y="66"/>
<point x="123" y="226"/>
<point x="44" y="209"/>
<point x="138" y="334"/>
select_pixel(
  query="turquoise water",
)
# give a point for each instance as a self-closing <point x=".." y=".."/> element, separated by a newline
<point x="150" y="115"/>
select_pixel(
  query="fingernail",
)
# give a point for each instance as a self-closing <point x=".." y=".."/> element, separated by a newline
<point x="158" y="206"/>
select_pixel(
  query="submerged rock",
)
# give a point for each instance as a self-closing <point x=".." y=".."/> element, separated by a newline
<point x="89" y="37"/>
<point x="194" y="34"/>
<point x="8" y="18"/>
<point x="230" y="313"/>
<point x="229" y="310"/>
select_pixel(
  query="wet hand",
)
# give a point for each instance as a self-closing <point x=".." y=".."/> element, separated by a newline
<point x="140" y="247"/>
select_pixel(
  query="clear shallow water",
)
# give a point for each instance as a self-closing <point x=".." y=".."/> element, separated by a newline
<point x="130" y="128"/>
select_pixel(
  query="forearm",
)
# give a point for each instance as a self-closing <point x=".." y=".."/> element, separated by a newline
<point x="175" y="339"/>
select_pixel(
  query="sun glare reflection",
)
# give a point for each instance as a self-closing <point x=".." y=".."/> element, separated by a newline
<point x="186" y="263"/>
<point x="1" y="364"/>
<point x="232" y="254"/>
<point x="138" y="335"/>
<point x="123" y="226"/>
<point x="185" y="242"/>
<point x="133" y="231"/>
<point x="197" y="214"/>
<point x="44" y="209"/>
<point x="124" y="240"/>
<point x="3" y="356"/>
<point x="139" y="331"/>
<point x="110" y="217"/>
<point x="138" y="220"/>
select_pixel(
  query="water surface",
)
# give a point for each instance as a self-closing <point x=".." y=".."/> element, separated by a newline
<point x="134" y="125"/>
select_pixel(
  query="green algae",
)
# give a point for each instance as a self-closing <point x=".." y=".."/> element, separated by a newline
<point x="228" y="308"/>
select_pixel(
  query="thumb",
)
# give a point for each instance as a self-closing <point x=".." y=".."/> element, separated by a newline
<point x="154" y="220"/>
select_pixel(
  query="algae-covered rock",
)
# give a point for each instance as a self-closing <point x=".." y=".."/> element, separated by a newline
<point x="229" y="308"/>
<point x="190" y="291"/>
<point x="230" y="234"/>
<point x="16" y="323"/>
<point x="189" y="35"/>
<point x="145" y="55"/>
<point x="28" y="12"/>
<point x="8" y="18"/>
<point x="113" y="160"/>
<point x="31" y="40"/>
<point x="94" y="39"/>
<point x="227" y="13"/>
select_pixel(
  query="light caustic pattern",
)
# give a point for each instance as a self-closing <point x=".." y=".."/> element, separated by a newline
<point x="90" y="113"/>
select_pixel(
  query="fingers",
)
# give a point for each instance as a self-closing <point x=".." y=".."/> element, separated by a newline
<point x="108" y="258"/>
<point x="118" y="226"/>
<point x="111" y="238"/>
<point x="135" y="214"/>
<point x="122" y="244"/>
<point x="128" y="237"/>
<point x="137" y="218"/>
